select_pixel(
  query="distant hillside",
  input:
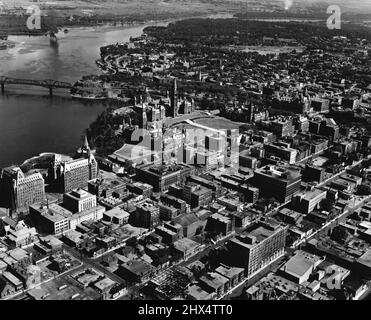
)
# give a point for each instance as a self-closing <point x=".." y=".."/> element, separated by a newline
<point x="86" y="13"/>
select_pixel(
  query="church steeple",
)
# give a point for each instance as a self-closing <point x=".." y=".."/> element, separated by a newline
<point x="86" y="144"/>
<point x="84" y="150"/>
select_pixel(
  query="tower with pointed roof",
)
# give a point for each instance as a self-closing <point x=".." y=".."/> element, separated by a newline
<point x="84" y="151"/>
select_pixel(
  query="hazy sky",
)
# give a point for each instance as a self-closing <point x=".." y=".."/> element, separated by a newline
<point x="362" y="6"/>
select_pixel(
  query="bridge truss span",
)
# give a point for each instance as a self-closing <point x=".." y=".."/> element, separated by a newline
<point x="49" y="84"/>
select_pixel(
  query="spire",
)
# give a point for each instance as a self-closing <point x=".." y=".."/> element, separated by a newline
<point x="84" y="150"/>
<point x="86" y="144"/>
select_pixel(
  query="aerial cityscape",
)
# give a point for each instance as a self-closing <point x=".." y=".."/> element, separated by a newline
<point x="193" y="150"/>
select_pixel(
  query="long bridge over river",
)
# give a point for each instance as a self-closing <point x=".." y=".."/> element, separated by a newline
<point x="49" y="84"/>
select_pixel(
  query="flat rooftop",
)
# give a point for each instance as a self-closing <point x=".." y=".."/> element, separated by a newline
<point x="277" y="172"/>
<point x="290" y="213"/>
<point x="313" y="194"/>
<point x="53" y="212"/>
<point x="214" y="280"/>
<point x="117" y="212"/>
<point x="300" y="264"/>
<point x="229" y="272"/>
<point x="257" y="235"/>
<point x="138" y="266"/>
<point x="79" y="194"/>
<point x="88" y="211"/>
<point x="18" y="254"/>
<point x="365" y="259"/>
<point x="185" y="244"/>
<point x="148" y="206"/>
<point x="261" y="233"/>
<point x="11" y="278"/>
<point x="197" y="293"/>
<point x="104" y="284"/>
<point x="163" y="170"/>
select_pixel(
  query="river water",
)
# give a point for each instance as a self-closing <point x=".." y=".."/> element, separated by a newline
<point x="30" y="121"/>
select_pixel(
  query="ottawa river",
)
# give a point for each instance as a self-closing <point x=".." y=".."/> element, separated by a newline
<point x="30" y="121"/>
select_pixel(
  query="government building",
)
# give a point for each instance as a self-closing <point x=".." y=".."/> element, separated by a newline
<point x="74" y="174"/>
<point x="19" y="190"/>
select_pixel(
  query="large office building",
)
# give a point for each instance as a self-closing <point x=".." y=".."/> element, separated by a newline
<point x="257" y="249"/>
<point x="320" y="105"/>
<point x="161" y="177"/>
<point x="147" y="215"/>
<point x="307" y="202"/>
<point x="50" y="218"/>
<point x="247" y="161"/>
<point x="20" y="190"/>
<point x="77" y="173"/>
<point x="74" y="174"/>
<point x="55" y="219"/>
<point x="330" y="129"/>
<point x="92" y="214"/>
<point x="279" y="182"/>
<point x="283" y="152"/>
<point x="282" y="127"/>
<point x="197" y="195"/>
<point x="79" y="200"/>
<point x="313" y="173"/>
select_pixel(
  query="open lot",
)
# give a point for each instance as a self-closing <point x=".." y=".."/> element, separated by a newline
<point x="63" y="288"/>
